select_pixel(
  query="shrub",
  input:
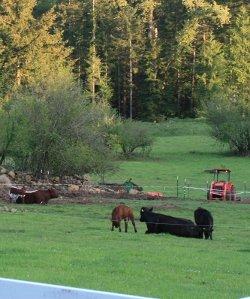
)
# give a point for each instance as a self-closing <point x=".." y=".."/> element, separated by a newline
<point x="58" y="130"/>
<point x="231" y="125"/>
<point x="6" y="134"/>
<point x="132" y="136"/>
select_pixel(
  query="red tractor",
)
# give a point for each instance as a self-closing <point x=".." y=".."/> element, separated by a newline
<point x="221" y="189"/>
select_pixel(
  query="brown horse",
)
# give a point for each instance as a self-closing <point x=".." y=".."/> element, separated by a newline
<point x="122" y="212"/>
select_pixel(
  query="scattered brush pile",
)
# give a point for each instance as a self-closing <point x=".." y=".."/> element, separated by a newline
<point x="74" y="186"/>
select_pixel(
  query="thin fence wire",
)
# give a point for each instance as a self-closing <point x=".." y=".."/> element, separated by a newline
<point x="108" y="219"/>
<point x="182" y="191"/>
<point x="179" y="190"/>
<point x="175" y="190"/>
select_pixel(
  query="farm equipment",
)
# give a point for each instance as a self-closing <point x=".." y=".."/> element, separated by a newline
<point x="126" y="187"/>
<point x="221" y="189"/>
<point x="129" y="185"/>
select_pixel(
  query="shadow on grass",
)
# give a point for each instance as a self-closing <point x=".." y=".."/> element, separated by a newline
<point x="244" y="250"/>
<point x="15" y="231"/>
<point x="176" y="155"/>
<point x="10" y="251"/>
<point x="215" y="154"/>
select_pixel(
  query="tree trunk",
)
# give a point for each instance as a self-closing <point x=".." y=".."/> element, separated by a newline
<point x="178" y="93"/>
<point x="130" y="78"/>
<point x="94" y="48"/>
<point x="18" y="75"/>
<point x="193" y="82"/>
<point x="119" y="86"/>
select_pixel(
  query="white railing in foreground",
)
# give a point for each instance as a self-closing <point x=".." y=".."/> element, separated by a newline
<point x="19" y="289"/>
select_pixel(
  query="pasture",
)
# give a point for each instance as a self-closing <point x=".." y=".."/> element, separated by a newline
<point x="185" y="149"/>
<point x="71" y="244"/>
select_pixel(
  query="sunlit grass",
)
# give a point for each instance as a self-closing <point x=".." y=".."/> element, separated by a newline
<point x="185" y="155"/>
<point x="73" y="245"/>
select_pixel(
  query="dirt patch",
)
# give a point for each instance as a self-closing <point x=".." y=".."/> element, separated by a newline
<point x="244" y="201"/>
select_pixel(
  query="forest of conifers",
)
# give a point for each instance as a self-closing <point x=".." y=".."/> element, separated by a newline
<point x="151" y="59"/>
<point x="72" y="72"/>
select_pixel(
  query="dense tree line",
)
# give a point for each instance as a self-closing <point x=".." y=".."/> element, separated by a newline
<point x="149" y="58"/>
<point x="79" y="64"/>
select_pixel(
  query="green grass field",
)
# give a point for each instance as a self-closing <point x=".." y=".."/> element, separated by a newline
<point x="185" y="149"/>
<point x="72" y="244"/>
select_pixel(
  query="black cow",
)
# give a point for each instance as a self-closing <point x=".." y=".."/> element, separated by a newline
<point x="205" y="221"/>
<point x="159" y="223"/>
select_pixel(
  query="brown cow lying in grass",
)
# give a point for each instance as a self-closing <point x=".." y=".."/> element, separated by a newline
<point x="32" y="197"/>
<point x="122" y="212"/>
<point x="39" y="196"/>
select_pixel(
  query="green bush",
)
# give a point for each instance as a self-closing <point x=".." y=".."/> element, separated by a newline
<point x="132" y="136"/>
<point x="58" y="130"/>
<point x="231" y="125"/>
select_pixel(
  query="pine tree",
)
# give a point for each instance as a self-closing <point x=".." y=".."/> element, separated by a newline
<point x="226" y="66"/>
<point x="203" y="19"/>
<point x="212" y="72"/>
<point x="154" y="51"/>
<point x="127" y="48"/>
<point x="31" y="50"/>
<point x="152" y="67"/>
<point x="238" y="56"/>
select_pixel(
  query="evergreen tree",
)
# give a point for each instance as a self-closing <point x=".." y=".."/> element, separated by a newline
<point x="31" y="49"/>
<point x="238" y="57"/>
<point x="127" y="47"/>
<point x="148" y="58"/>
<point x="226" y="68"/>
<point x="228" y="106"/>
<point x="151" y="69"/>
<point x="203" y="18"/>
